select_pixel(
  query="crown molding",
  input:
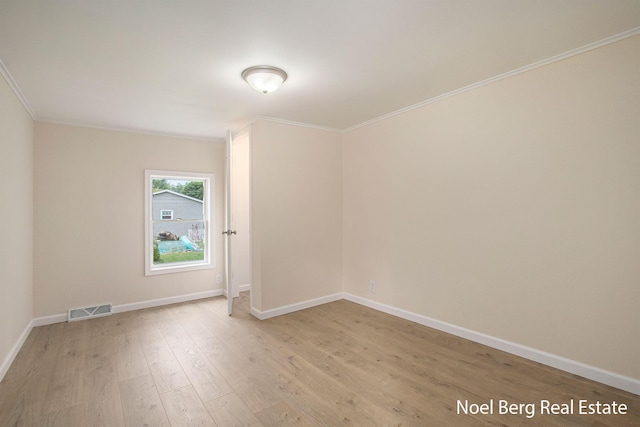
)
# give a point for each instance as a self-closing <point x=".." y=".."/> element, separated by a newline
<point x="131" y="130"/>
<point x="16" y="90"/>
<point x="294" y="123"/>
<point x="586" y="48"/>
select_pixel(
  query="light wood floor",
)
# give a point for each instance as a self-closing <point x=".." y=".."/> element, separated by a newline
<point x="337" y="364"/>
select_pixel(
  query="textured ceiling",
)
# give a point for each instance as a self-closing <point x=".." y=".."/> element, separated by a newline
<point x="173" y="66"/>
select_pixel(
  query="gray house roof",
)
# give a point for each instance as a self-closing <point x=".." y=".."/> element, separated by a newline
<point x="177" y="194"/>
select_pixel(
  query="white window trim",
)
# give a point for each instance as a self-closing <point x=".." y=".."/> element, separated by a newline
<point x="162" y="211"/>
<point x="150" y="268"/>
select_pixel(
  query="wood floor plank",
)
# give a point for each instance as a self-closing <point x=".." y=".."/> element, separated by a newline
<point x="19" y="404"/>
<point x="65" y="387"/>
<point x="65" y="417"/>
<point x="284" y="414"/>
<point x="204" y="377"/>
<point x="257" y="393"/>
<point x="305" y="399"/>
<point x="184" y="408"/>
<point x="165" y="368"/>
<point x="41" y="345"/>
<point x="130" y="360"/>
<point x="249" y="376"/>
<point x="141" y="403"/>
<point x="230" y="410"/>
<point x="24" y="388"/>
<point x="102" y="402"/>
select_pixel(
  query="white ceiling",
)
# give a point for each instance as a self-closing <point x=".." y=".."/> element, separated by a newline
<point x="173" y="66"/>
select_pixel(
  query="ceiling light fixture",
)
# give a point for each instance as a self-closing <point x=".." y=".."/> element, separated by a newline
<point x="264" y="78"/>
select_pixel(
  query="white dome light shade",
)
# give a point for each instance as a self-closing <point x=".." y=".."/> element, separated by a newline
<point x="264" y="78"/>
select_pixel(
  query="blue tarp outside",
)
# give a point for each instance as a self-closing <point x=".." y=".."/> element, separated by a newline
<point x="182" y="245"/>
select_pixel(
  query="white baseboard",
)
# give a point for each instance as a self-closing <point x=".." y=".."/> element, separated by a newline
<point x="622" y="382"/>
<point x="49" y="320"/>
<point x="263" y="315"/>
<point x="166" y="301"/>
<point x="8" y="360"/>
<point x="59" y="318"/>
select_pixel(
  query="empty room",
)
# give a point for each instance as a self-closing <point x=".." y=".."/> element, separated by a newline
<point x="320" y="213"/>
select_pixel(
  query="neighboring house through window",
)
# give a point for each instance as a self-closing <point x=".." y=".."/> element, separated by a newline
<point x="178" y="214"/>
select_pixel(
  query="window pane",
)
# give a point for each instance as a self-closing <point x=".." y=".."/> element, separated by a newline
<point x="177" y="221"/>
<point x="178" y="241"/>
<point x="182" y="197"/>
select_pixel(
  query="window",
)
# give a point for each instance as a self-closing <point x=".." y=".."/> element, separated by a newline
<point x="177" y="221"/>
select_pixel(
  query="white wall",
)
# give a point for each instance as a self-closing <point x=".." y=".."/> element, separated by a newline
<point x="16" y="217"/>
<point x="512" y="210"/>
<point x="297" y="214"/>
<point x="89" y="216"/>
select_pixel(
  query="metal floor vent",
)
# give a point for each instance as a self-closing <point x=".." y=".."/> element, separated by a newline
<point x="89" y="312"/>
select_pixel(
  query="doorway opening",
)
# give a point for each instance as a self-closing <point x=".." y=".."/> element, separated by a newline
<point x="238" y="214"/>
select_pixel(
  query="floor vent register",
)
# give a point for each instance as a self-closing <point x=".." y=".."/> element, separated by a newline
<point x="89" y="312"/>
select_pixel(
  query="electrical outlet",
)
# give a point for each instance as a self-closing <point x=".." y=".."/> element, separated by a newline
<point x="219" y="278"/>
<point x="372" y="286"/>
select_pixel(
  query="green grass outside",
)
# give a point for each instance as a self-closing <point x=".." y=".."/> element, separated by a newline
<point x="180" y="257"/>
